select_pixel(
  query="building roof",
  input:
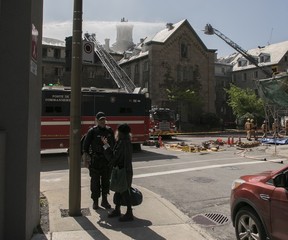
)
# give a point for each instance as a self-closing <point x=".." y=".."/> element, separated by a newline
<point x="141" y="49"/>
<point x="164" y="34"/>
<point x="276" y="52"/>
<point x="52" y="42"/>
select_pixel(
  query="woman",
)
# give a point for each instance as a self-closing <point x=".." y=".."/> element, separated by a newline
<point x="121" y="156"/>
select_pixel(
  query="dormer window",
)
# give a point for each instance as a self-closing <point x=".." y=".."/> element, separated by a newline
<point x="184" y="50"/>
<point x="242" y="62"/>
<point x="264" y="57"/>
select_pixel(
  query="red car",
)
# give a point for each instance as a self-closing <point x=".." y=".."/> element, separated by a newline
<point x="259" y="206"/>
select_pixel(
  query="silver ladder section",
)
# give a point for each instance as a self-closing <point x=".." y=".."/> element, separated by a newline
<point x="117" y="73"/>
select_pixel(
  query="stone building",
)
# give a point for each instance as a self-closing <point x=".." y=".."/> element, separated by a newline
<point x="175" y="54"/>
<point x="273" y="58"/>
<point x="223" y="79"/>
<point x="56" y="65"/>
<point x="53" y="61"/>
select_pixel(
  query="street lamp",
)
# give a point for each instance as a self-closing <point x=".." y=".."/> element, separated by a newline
<point x="75" y="114"/>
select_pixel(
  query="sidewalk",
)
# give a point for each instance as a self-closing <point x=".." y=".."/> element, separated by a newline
<point x="155" y="218"/>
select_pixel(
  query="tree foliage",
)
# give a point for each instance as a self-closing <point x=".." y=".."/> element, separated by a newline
<point x="244" y="101"/>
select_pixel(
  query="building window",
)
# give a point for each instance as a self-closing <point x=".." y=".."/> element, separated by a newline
<point x="92" y="74"/>
<point x="137" y="68"/>
<point x="244" y="76"/>
<point x="256" y="74"/>
<point x="44" y="52"/>
<point x="58" y="71"/>
<point x="184" y="50"/>
<point x="185" y="74"/>
<point x="264" y="58"/>
<point x="57" y="53"/>
<point x="242" y="63"/>
<point x="285" y="58"/>
<point x="146" y="66"/>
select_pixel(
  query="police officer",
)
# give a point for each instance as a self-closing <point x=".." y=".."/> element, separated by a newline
<point x="99" y="166"/>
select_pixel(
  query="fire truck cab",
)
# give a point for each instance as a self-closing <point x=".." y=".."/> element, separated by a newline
<point x="162" y="122"/>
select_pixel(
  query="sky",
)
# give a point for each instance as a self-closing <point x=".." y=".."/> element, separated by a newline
<point x="248" y="23"/>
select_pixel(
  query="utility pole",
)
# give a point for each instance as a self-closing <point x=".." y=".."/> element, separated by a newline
<point x="75" y="114"/>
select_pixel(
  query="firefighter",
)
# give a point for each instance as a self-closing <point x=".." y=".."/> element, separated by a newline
<point x="253" y="129"/>
<point x="264" y="128"/>
<point x="99" y="166"/>
<point x="247" y="128"/>
<point x="275" y="128"/>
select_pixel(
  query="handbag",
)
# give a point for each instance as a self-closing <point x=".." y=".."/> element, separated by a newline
<point x="136" y="198"/>
<point x="118" y="181"/>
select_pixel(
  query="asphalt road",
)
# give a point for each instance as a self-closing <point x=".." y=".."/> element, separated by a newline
<point x="196" y="183"/>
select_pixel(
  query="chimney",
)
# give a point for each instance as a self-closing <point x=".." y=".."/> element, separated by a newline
<point x="107" y="44"/>
<point x="169" y="26"/>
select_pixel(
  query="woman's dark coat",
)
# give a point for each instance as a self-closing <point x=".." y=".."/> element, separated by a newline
<point x="121" y="156"/>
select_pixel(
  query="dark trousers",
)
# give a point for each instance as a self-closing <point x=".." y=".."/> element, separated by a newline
<point x="100" y="181"/>
<point x="125" y="195"/>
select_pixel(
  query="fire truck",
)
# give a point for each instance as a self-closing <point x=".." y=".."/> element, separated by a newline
<point x="120" y="107"/>
<point x="125" y="104"/>
<point x="162" y="122"/>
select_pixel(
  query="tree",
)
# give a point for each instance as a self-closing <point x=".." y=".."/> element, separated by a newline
<point x="245" y="101"/>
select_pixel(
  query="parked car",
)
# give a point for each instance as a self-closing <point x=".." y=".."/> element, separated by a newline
<point x="259" y="206"/>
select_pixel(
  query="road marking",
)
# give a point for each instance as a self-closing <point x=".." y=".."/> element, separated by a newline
<point x="190" y="162"/>
<point x="201" y="168"/>
<point x="198" y="161"/>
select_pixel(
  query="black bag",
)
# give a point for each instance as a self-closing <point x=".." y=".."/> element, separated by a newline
<point x="136" y="198"/>
<point x="118" y="181"/>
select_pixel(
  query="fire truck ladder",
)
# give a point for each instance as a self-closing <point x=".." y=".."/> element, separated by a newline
<point x="117" y="73"/>
<point x="209" y="30"/>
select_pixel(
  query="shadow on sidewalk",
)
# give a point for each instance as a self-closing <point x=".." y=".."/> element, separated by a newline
<point x="90" y="228"/>
<point x="137" y="229"/>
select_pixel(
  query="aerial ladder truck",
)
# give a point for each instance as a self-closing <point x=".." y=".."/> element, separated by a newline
<point x="209" y="30"/>
<point x="274" y="101"/>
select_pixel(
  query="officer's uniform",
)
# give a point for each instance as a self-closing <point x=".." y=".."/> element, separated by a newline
<point x="99" y="169"/>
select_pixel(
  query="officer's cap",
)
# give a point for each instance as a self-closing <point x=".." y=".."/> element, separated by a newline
<point x="124" y="128"/>
<point x="100" y="115"/>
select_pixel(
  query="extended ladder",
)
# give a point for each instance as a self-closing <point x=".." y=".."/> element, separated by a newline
<point x="117" y="73"/>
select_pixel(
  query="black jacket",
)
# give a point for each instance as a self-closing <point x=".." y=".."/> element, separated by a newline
<point x="121" y="156"/>
<point x="93" y="140"/>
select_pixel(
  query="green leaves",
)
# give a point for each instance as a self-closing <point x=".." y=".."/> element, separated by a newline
<point x="243" y="101"/>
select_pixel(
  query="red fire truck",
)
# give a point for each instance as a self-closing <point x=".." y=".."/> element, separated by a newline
<point x="120" y="107"/>
<point x="162" y="122"/>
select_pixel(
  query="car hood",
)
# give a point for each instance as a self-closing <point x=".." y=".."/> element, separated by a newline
<point x="259" y="177"/>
